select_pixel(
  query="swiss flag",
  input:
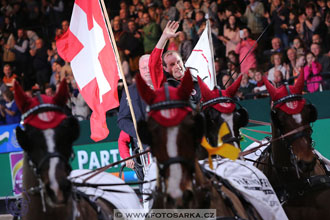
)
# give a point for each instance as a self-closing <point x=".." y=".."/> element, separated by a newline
<point x="88" y="47"/>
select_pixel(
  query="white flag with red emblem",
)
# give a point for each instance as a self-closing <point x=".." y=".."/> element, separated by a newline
<point x="89" y="49"/>
<point x="201" y="60"/>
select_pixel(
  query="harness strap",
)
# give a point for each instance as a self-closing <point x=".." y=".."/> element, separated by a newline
<point x="91" y="203"/>
<point x="299" y="188"/>
<point x="101" y="169"/>
<point x="259" y="122"/>
<point x="173" y="160"/>
<point x="297" y="130"/>
<point x="47" y="157"/>
<point x="287" y="88"/>
<point x="39" y="98"/>
<point x="167" y="92"/>
<point x="217" y="185"/>
<point x="257" y="131"/>
<point x="220" y="93"/>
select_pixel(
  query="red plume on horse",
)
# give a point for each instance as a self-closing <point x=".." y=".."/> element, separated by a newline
<point x="218" y="107"/>
<point x="169" y="94"/>
<point x="207" y="95"/>
<point x="293" y="107"/>
<point x="43" y="119"/>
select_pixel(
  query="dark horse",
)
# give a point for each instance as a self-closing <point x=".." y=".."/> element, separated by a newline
<point x="174" y="131"/>
<point x="297" y="174"/>
<point x="46" y="138"/>
<point x="218" y="106"/>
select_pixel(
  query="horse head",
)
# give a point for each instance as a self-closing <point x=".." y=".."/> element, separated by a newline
<point x="173" y="130"/>
<point x="46" y="137"/>
<point x="291" y="117"/>
<point x="219" y="107"/>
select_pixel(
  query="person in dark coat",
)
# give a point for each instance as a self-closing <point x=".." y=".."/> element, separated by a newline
<point x="124" y="121"/>
<point x="21" y="50"/>
<point x="40" y="64"/>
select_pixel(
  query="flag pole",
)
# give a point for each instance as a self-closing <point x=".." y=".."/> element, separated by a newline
<point x="107" y="22"/>
<point x="209" y="32"/>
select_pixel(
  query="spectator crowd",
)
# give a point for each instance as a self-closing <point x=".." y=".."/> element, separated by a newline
<point x="274" y="38"/>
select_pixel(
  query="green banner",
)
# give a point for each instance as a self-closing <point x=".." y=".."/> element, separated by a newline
<point x="91" y="156"/>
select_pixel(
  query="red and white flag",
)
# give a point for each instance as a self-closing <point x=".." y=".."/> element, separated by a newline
<point x="89" y="49"/>
<point x="201" y="60"/>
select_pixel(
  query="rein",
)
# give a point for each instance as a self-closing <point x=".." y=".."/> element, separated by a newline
<point x="101" y="169"/>
<point x="282" y="137"/>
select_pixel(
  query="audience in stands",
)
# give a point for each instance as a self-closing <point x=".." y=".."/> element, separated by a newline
<point x="28" y="32"/>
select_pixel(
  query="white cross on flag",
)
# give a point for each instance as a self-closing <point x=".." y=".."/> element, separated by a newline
<point x="201" y="61"/>
<point x="88" y="48"/>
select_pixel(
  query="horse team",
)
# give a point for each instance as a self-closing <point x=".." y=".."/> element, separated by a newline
<point x="174" y="130"/>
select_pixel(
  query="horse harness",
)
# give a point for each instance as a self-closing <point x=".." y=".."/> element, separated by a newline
<point x="289" y="98"/>
<point x="168" y="104"/>
<point x="217" y="183"/>
<point x="224" y="99"/>
<point x="298" y="188"/>
<point x="301" y="186"/>
<point x="306" y="131"/>
<point x="163" y="166"/>
<point x="36" y="167"/>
